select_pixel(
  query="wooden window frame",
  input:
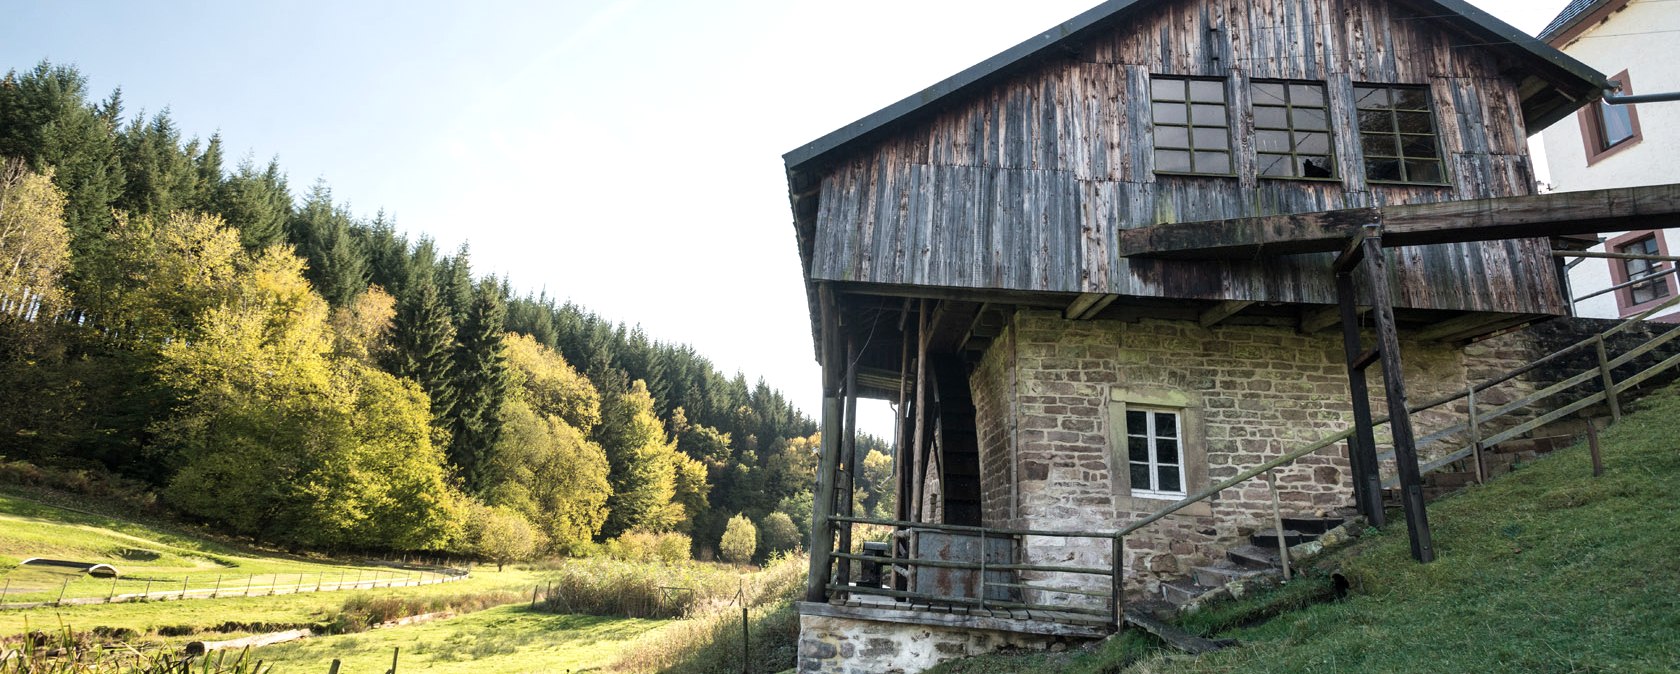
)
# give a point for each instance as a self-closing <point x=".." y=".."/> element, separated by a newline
<point x="1189" y="125"/>
<point x="1619" y="274"/>
<point x="1289" y="107"/>
<point x="1394" y="132"/>
<point x="1192" y="448"/>
<point x="1591" y="119"/>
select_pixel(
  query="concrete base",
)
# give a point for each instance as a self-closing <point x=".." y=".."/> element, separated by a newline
<point x="843" y="641"/>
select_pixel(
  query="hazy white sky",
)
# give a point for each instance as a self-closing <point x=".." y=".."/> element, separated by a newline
<point x="625" y="154"/>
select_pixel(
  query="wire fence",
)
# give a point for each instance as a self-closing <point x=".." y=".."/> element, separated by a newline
<point x="119" y="590"/>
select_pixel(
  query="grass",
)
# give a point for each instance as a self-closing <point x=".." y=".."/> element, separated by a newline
<point x="710" y="643"/>
<point x="151" y="558"/>
<point x="173" y="623"/>
<point x="504" y="640"/>
<point x="1544" y="570"/>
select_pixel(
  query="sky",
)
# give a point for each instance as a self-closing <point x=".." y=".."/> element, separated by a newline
<point x="622" y="154"/>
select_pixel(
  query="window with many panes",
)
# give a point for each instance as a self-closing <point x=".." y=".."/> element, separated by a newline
<point x="1155" y="450"/>
<point x="1397" y="134"/>
<point x="1292" y="131"/>
<point x="1192" y="129"/>
<point x="1651" y="290"/>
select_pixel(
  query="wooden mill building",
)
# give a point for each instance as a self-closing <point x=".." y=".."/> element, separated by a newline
<point x="965" y="257"/>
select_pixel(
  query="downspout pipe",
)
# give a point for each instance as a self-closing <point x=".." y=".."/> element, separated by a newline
<point x="1612" y="99"/>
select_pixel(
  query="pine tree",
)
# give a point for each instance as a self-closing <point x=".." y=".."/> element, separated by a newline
<point x="481" y="384"/>
<point x="423" y="344"/>
<point x="162" y="176"/>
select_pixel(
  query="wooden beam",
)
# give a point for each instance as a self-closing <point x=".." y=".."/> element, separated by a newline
<point x="917" y="445"/>
<point x="1362" y="443"/>
<point x="1455" y="326"/>
<point x="822" y="530"/>
<point x="1317" y="320"/>
<point x="1545" y="215"/>
<point x="1399" y="416"/>
<point x="1088" y="305"/>
<point x="1221" y="311"/>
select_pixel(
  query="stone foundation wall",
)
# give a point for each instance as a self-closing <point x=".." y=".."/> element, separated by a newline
<point x="829" y="645"/>
<point x="1247" y="394"/>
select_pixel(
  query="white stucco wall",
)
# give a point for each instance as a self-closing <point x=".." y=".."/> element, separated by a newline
<point x="1641" y="40"/>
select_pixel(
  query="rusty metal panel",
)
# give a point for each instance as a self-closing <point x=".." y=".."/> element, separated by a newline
<point x="965" y="583"/>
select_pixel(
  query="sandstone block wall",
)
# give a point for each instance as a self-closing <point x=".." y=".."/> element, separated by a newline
<point x="1044" y="393"/>
<point x="829" y="645"/>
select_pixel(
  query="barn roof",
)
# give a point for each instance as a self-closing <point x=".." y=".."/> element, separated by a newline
<point x="1561" y="84"/>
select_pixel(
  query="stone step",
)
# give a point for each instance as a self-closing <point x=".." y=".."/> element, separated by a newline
<point x="1267" y="538"/>
<point x="1254" y="556"/>
<point x="1312" y="525"/>
<point x="1218" y="574"/>
<point x="1180" y="592"/>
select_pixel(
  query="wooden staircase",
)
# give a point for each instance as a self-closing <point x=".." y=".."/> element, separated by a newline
<point x="958" y="444"/>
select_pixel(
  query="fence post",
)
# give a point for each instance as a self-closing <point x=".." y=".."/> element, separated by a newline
<point x="1592" y="445"/>
<point x="1476" y="434"/>
<point x="334" y="668"/>
<point x="62" y="590"/>
<point x="147" y="595"/>
<point x="746" y="641"/>
<point x="1117" y="580"/>
<point x="212" y="592"/>
<point x="534" y="592"/>
<point x="1608" y="378"/>
<point x="249" y="581"/>
<point x="394" y="651"/>
<point x="1277" y="521"/>
<point x="113" y="593"/>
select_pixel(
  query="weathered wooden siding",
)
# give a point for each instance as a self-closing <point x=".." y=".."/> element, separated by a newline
<point x="1025" y="186"/>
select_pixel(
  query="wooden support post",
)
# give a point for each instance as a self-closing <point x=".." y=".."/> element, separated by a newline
<point x="1277" y="524"/>
<point x="1399" y="419"/>
<point x="1117" y="581"/>
<point x="918" y="461"/>
<point x="822" y="530"/>
<point x="1608" y="378"/>
<point x="1592" y="446"/>
<point x="848" y="461"/>
<point x="1475" y="433"/>
<point x="1362" y="447"/>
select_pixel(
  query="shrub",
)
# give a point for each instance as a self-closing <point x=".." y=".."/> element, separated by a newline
<point x="740" y="540"/>
<point x="645" y="546"/>
<point x="779" y="532"/>
<point x="636" y="589"/>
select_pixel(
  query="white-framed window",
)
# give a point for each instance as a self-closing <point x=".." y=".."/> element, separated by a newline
<point x="1155" y="452"/>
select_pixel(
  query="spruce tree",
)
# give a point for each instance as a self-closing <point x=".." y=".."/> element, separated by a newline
<point x="481" y="384"/>
<point x="321" y="232"/>
<point x="257" y="203"/>
<point x="423" y="345"/>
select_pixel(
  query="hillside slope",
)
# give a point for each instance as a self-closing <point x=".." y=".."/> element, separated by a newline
<point x="1545" y="570"/>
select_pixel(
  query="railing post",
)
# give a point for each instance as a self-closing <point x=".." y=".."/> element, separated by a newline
<point x="983" y="550"/>
<point x="1117" y="581"/>
<point x="1475" y="433"/>
<point x="1277" y="522"/>
<point x="1609" y="379"/>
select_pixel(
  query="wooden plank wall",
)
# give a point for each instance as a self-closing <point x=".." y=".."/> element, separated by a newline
<point x="1025" y="186"/>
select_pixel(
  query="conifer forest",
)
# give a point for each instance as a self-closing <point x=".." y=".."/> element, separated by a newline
<point x="255" y="356"/>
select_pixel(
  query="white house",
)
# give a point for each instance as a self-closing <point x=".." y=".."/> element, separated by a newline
<point x="1637" y="43"/>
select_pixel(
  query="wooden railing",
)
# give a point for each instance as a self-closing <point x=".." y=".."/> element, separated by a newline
<point x="1477" y="425"/>
<point x="1113" y="572"/>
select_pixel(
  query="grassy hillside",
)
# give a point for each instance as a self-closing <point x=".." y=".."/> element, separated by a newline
<point x="1545" y="570"/>
<point x="149" y="557"/>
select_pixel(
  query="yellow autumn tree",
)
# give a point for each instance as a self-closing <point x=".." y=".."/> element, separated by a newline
<point x="34" y="243"/>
